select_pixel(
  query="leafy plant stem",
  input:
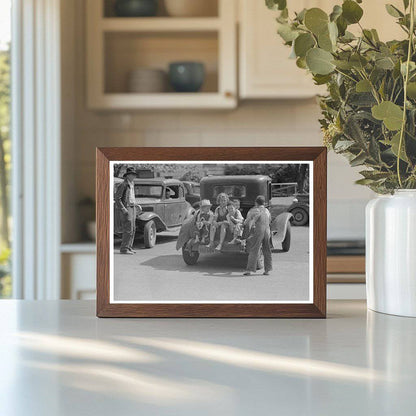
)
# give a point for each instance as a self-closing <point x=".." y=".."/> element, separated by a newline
<point x="345" y="75"/>
<point x="406" y="80"/>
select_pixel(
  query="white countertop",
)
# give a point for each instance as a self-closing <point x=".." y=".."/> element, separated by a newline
<point x="57" y="359"/>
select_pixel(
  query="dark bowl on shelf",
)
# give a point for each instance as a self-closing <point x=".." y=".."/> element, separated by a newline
<point x="186" y="76"/>
<point x="136" y="8"/>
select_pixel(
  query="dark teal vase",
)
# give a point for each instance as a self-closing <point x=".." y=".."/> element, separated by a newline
<point x="186" y="76"/>
<point x="135" y="8"/>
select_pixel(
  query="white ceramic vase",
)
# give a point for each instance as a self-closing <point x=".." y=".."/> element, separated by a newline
<point x="391" y="253"/>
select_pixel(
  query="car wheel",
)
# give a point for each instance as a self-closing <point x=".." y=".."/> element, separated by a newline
<point x="149" y="234"/>
<point x="300" y="216"/>
<point x="190" y="257"/>
<point x="286" y="241"/>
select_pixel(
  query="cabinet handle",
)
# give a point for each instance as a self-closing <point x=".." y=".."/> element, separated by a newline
<point x="228" y="94"/>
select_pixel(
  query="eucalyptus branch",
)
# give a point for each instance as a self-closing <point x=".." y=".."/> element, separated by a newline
<point x="406" y="80"/>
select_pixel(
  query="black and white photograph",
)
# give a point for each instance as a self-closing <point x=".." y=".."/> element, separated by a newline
<point x="211" y="232"/>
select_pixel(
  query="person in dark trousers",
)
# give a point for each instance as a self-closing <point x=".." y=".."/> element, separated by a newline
<point x="126" y="202"/>
<point x="258" y="220"/>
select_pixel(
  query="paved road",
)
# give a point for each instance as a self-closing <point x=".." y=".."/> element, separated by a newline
<point x="161" y="274"/>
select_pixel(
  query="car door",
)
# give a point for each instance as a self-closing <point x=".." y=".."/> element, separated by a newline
<point x="175" y="206"/>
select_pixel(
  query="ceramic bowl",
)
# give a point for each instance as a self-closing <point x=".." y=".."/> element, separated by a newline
<point x="147" y="80"/>
<point x="136" y="8"/>
<point x="186" y="76"/>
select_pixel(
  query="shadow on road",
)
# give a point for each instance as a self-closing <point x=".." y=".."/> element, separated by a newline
<point x="139" y="244"/>
<point x="208" y="265"/>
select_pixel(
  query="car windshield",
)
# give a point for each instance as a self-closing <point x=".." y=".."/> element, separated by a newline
<point x="196" y="189"/>
<point x="148" y="191"/>
<point x="236" y="191"/>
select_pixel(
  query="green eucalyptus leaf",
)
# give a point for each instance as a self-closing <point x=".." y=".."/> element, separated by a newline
<point x="375" y="35"/>
<point x="358" y="160"/>
<point x="406" y="4"/>
<point x="343" y="145"/>
<point x="321" y="79"/>
<point x="301" y="63"/>
<point x="363" y="86"/>
<point x="358" y="61"/>
<point x="300" y="17"/>
<point x="374" y="150"/>
<point x="276" y="4"/>
<point x="286" y="32"/>
<point x="385" y="63"/>
<point x="374" y="175"/>
<point x="394" y="144"/>
<point x="320" y="61"/>
<point x="411" y="90"/>
<point x="393" y="11"/>
<point x="388" y="112"/>
<point x="325" y="42"/>
<point x="412" y="67"/>
<point x="303" y="43"/>
<point x="365" y="182"/>
<point x="342" y="25"/>
<point x="336" y="12"/>
<point x="343" y="65"/>
<point x="316" y="20"/>
<point x="347" y="37"/>
<point x="351" y="11"/>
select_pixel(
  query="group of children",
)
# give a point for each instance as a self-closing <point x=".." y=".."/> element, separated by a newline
<point x="226" y="217"/>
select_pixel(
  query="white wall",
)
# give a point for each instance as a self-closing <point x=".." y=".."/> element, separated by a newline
<point x="265" y="123"/>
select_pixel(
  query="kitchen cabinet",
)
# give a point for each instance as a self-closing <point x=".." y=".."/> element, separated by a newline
<point x="265" y="70"/>
<point x="118" y="45"/>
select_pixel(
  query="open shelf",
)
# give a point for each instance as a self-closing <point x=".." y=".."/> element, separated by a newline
<point x="108" y="9"/>
<point x="160" y="24"/>
<point x="127" y="51"/>
<point x="116" y="46"/>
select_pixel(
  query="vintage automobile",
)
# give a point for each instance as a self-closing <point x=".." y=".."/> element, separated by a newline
<point x="192" y="193"/>
<point x="160" y="212"/>
<point x="245" y="189"/>
<point x="300" y="209"/>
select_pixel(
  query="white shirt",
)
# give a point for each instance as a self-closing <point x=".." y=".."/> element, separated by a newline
<point x="132" y="197"/>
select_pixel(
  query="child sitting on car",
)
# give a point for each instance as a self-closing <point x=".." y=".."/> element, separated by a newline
<point x="235" y="222"/>
<point x="203" y="221"/>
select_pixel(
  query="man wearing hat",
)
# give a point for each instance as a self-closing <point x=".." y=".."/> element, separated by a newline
<point x="126" y="202"/>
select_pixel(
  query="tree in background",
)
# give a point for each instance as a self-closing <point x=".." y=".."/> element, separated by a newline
<point x="4" y="144"/>
<point x="5" y="165"/>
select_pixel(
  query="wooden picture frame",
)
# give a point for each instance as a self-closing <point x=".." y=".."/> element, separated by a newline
<point x="316" y="156"/>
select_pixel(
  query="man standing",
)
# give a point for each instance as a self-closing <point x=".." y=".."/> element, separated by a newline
<point x="258" y="220"/>
<point x="126" y="202"/>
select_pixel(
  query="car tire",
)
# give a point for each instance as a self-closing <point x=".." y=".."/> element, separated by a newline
<point x="190" y="257"/>
<point x="300" y="216"/>
<point x="149" y="234"/>
<point x="286" y="241"/>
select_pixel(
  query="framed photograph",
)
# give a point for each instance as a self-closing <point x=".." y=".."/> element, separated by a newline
<point x="211" y="232"/>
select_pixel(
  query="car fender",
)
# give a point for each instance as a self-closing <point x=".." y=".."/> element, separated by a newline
<point x="186" y="232"/>
<point x="147" y="216"/>
<point x="190" y="212"/>
<point x="279" y="227"/>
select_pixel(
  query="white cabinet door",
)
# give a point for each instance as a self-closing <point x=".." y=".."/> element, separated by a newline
<point x="265" y="68"/>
